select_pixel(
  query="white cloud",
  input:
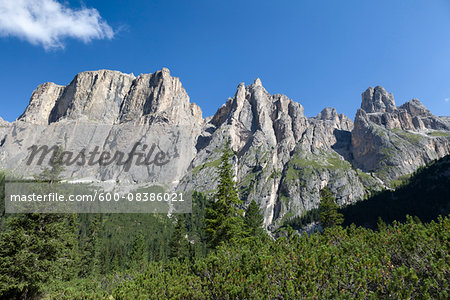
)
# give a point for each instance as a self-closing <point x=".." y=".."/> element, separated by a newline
<point x="48" y="22"/>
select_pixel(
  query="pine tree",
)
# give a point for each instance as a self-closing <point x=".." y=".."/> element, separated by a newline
<point x="381" y="225"/>
<point x="138" y="257"/>
<point x="2" y="198"/>
<point x="223" y="218"/>
<point x="195" y="225"/>
<point x="56" y="161"/>
<point x="329" y="215"/>
<point x="90" y="249"/>
<point x="179" y="245"/>
<point x="35" y="248"/>
<point x="253" y="220"/>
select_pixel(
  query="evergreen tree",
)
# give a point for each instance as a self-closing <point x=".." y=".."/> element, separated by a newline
<point x="195" y="225"/>
<point x="56" y="161"/>
<point x="90" y="248"/>
<point x="223" y="218"/>
<point x="35" y="248"/>
<point x="179" y="245"/>
<point x="253" y="220"/>
<point x="329" y="215"/>
<point x="116" y="264"/>
<point x="138" y="257"/>
<point x="381" y="225"/>
<point x="2" y="198"/>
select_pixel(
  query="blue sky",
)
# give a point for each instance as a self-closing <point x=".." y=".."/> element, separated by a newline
<point x="319" y="53"/>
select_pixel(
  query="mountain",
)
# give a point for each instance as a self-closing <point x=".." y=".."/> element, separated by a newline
<point x="282" y="158"/>
<point x="111" y="111"/>
<point x="394" y="141"/>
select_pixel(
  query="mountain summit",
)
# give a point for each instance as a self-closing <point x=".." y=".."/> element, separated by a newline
<point x="112" y="97"/>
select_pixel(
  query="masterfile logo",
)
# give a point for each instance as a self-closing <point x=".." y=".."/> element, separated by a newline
<point x="145" y="156"/>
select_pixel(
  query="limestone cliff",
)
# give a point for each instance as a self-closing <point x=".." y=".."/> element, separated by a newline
<point x="392" y="141"/>
<point x="112" y="111"/>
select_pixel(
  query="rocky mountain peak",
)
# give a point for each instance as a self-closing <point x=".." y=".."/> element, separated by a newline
<point x="394" y="141"/>
<point x="165" y="71"/>
<point x="92" y="95"/>
<point x="253" y="108"/>
<point x="42" y="102"/>
<point x="328" y="113"/>
<point x="3" y="122"/>
<point x="380" y="109"/>
<point x="159" y="95"/>
<point x="377" y="100"/>
<point x="112" y="97"/>
<point x="416" y="108"/>
<point x="257" y="82"/>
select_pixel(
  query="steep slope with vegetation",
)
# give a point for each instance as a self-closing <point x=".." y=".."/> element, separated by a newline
<point x="425" y="194"/>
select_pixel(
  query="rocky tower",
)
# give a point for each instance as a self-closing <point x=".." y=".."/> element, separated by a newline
<point x="263" y="129"/>
<point x="392" y="141"/>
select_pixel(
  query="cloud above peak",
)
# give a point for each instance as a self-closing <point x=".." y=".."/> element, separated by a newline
<point x="48" y="22"/>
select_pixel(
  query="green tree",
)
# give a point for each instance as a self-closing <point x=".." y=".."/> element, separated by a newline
<point x="138" y="257"/>
<point x="89" y="249"/>
<point x="195" y="225"/>
<point x="179" y="244"/>
<point x="329" y="215"/>
<point x="381" y="225"/>
<point x="223" y="217"/>
<point x="253" y="220"/>
<point x="35" y="248"/>
<point x="2" y="198"/>
<point x="56" y="161"/>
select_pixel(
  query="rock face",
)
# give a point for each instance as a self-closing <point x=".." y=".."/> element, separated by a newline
<point x="393" y="141"/>
<point x="4" y="128"/>
<point x="282" y="158"/>
<point x="111" y="97"/>
<point x="111" y="111"/>
<point x="3" y="123"/>
<point x="377" y="100"/>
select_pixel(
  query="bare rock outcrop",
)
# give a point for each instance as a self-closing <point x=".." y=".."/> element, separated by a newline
<point x="112" y="97"/>
<point x="108" y="111"/>
<point x="377" y="100"/>
<point x="396" y="141"/>
<point x="3" y="123"/>
<point x="283" y="158"/>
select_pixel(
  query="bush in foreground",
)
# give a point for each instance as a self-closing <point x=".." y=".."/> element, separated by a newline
<point x="408" y="260"/>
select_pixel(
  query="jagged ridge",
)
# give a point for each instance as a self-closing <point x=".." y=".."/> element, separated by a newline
<point x="283" y="158"/>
